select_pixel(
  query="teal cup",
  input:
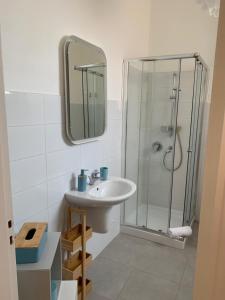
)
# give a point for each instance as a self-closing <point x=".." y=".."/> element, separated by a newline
<point x="104" y="173"/>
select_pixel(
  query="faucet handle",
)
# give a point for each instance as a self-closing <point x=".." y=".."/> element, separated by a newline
<point x="95" y="173"/>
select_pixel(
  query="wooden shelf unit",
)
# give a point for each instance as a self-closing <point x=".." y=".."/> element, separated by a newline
<point x="72" y="266"/>
<point x="88" y="287"/>
<point x="74" y="239"/>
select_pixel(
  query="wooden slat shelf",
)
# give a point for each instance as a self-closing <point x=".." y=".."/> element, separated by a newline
<point x="72" y="239"/>
<point x="88" y="287"/>
<point x="72" y="268"/>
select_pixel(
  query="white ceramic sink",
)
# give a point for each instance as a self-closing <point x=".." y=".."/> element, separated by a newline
<point x="104" y="193"/>
<point x="99" y="199"/>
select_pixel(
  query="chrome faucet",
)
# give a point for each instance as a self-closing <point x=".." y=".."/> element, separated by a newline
<point x="94" y="176"/>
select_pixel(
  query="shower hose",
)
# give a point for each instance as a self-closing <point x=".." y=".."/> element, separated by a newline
<point x="170" y="150"/>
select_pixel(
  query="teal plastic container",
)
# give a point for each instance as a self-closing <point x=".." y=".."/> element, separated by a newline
<point x="82" y="181"/>
<point x="104" y="171"/>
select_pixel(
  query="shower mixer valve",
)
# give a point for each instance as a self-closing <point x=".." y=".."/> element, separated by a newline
<point x="156" y="147"/>
<point x="169" y="149"/>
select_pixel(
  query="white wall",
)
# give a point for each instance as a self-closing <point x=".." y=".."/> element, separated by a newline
<point x="181" y="26"/>
<point x="32" y="30"/>
<point x="41" y="162"/>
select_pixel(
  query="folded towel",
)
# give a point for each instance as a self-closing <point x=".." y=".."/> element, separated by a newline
<point x="180" y="231"/>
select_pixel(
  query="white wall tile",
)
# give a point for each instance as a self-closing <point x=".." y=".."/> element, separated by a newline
<point x="53" y="109"/>
<point x="61" y="162"/>
<point x="56" y="216"/>
<point x="106" y="142"/>
<point x="54" y="138"/>
<point x="115" y="167"/>
<point x="30" y="202"/>
<point x="57" y="188"/>
<point x="41" y="216"/>
<point x="58" y="163"/>
<point x="24" y="109"/>
<point x="42" y="162"/>
<point x="26" y="141"/>
<point x="115" y="132"/>
<point x="92" y="155"/>
<point x="27" y="172"/>
<point x="114" y="109"/>
<point x="75" y="158"/>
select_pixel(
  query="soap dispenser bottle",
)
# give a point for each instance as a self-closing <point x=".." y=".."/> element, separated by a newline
<point x="82" y="181"/>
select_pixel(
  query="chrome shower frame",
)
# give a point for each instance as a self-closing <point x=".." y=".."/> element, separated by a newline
<point x="179" y="57"/>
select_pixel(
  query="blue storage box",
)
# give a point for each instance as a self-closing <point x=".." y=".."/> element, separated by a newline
<point x="30" y="242"/>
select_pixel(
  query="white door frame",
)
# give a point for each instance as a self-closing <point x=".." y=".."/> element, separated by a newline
<point x="8" y="279"/>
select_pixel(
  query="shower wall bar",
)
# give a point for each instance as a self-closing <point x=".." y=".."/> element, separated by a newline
<point x="174" y="141"/>
<point x="169" y="57"/>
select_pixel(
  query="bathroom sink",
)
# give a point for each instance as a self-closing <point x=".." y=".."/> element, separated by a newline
<point x="103" y="194"/>
<point x="99" y="199"/>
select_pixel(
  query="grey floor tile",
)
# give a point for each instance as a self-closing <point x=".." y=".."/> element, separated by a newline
<point x="186" y="287"/>
<point x="133" y="268"/>
<point x="145" y="286"/>
<point x="190" y="253"/>
<point x="189" y="276"/>
<point x="122" y="249"/>
<point x="165" y="262"/>
<point x="187" y="283"/>
<point x="185" y="293"/>
<point x="94" y="296"/>
<point x="108" y="277"/>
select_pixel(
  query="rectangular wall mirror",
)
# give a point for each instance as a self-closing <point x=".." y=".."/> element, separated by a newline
<point x="85" y="90"/>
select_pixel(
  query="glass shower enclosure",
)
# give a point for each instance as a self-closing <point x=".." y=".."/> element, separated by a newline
<point x="163" y="100"/>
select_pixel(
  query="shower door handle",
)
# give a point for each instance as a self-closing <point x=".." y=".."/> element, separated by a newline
<point x="189" y="151"/>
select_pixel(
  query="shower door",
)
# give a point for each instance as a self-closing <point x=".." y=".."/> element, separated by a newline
<point x="151" y="122"/>
<point x="191" y="191"/>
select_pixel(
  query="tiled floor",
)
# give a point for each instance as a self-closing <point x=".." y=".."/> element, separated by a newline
<point x="135" y="269"/>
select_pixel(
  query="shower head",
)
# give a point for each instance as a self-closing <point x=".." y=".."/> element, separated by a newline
<point x="173" y="96"/>
<point x="175" y="89"/>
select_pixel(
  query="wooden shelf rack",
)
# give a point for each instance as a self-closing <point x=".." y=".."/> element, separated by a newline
<point x="73" y="241"/>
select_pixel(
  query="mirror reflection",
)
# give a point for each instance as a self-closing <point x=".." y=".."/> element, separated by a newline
<point x="85" y="82"/>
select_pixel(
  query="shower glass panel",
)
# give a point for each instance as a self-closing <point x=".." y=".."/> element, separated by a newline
<point x="164" y="99"/>
<point x="194" y="145"/>
<point x="134" y="93"/>
<point x="151" y="119"/>
<point x="184" y="122"/>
